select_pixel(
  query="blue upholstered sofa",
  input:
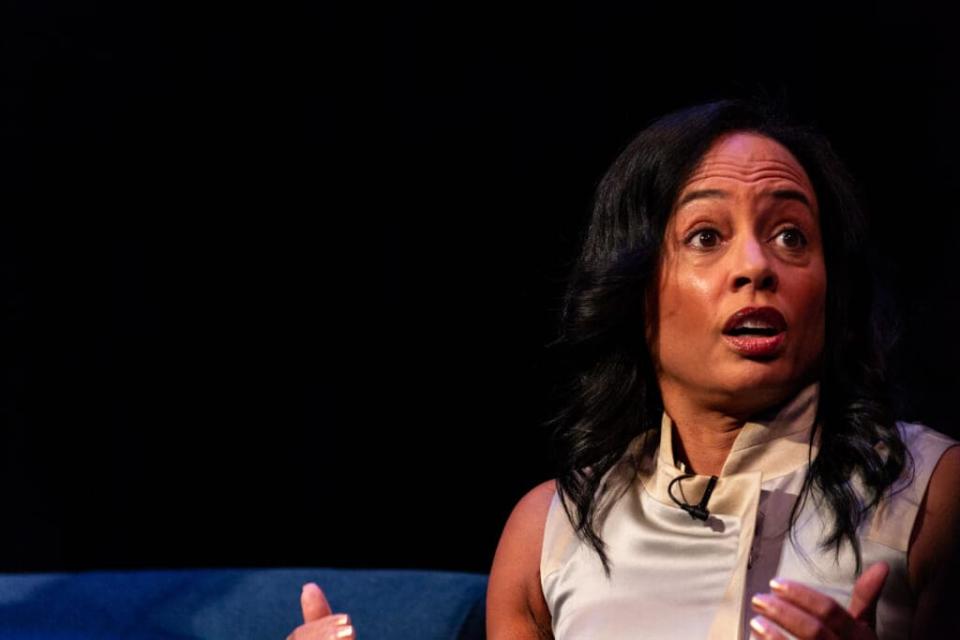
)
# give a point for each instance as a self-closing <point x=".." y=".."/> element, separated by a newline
<point x="214" y="604"/>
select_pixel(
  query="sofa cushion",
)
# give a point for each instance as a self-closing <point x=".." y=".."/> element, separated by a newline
<point x="211" y="604"/>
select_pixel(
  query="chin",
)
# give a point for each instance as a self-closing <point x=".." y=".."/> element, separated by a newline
<point x="758" y="382"/>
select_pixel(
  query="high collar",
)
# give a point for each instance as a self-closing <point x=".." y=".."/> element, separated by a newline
<point x="774" y="444"/>
<point x="770" y="446"/>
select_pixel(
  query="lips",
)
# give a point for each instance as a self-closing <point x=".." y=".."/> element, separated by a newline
<point x="756" y="331"/>
<point x="755" y="317"/>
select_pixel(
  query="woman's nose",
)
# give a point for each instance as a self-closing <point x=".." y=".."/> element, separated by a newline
<point x="752" y="266"/>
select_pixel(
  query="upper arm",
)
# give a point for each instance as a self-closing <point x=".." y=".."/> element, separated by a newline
<point x="934" y="557"/>
<point x="516" y="608"/>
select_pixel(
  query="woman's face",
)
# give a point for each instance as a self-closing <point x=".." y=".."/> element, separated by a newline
<point x="742" y="282"/>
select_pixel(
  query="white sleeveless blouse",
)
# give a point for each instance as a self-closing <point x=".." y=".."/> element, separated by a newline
<point x="673" y="577"/>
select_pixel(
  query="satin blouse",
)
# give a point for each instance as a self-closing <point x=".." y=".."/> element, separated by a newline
<point x="675" y="577"/>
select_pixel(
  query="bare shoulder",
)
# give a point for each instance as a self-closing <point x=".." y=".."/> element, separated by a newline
<point x="531" y="510"/>
<point x="938" y="521"/>
<point x="933" y="562"/>
<point x="515" y="604"/>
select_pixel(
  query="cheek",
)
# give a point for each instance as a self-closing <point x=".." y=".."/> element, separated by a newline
<point x="809" y="294"/>
<point x="687" y="301"/>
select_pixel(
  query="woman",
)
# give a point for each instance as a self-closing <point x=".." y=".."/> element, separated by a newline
<point x="729" y="423"/>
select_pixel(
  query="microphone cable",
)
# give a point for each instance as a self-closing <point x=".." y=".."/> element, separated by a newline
<point x="696" y="511"/>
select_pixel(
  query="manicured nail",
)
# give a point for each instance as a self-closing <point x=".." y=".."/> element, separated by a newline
<point x="341" y="618"/>
<point x="778" y="586"/>
<point x="761" y="603"/>
<point x="759" y="627"/>
<point x="345" y="632"/>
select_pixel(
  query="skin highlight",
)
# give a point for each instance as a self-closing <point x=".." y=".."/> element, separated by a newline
<point x="746" y="189"/>
<point x="745" y="233"/>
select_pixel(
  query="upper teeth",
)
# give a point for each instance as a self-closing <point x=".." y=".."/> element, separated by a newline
<point x="751" y="323"/>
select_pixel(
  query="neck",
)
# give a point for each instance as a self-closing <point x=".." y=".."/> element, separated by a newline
<point x="702" y="438"/>
<point x="706" y="427"/>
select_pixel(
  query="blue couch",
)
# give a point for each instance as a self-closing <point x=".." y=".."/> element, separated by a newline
<point x="215" y="604"/>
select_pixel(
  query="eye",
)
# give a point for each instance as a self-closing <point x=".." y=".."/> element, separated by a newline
<point x="704" y="239"/>
<point x="792" y="238"/>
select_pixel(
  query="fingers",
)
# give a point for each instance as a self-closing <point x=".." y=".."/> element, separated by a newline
<point x="818" y="605"/>
<point x="335" y="627"/>
<point x="866" y="593"/>
<point x="313" y="603"/>
<point x="762" y="628"/>
<point x="319" y="623"/>
<point x="792" y="618"/>
<point x="807" y="613"/>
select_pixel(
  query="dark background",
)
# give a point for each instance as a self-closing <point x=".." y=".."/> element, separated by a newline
<point x="277" y="279"/>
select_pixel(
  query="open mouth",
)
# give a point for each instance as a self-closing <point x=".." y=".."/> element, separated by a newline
<point x="756" y="332"/>
<point x="753" y="331"/>
<point x="761" y="321"/>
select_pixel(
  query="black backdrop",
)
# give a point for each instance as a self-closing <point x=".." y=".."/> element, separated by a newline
<point x="277" y="279"/>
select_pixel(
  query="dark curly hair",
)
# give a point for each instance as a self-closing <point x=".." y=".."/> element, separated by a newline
<point x="613" y="396"/>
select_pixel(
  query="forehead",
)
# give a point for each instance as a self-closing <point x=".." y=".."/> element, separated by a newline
<point x="744" y="159"/>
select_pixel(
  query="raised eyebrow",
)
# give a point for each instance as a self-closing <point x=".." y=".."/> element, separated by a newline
<point x="781" y="194"/>
<point x="792" y="194"/>
<point x="702" y="193"/>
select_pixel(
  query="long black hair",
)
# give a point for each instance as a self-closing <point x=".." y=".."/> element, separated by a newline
<point x="613" y="395"/>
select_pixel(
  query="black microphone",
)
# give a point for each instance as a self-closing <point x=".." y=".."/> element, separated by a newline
<point x="696" y="511"/>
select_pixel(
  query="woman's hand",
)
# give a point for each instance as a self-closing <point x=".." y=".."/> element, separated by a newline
<point x="319" y="622"/>
<point x="809" y="614"/>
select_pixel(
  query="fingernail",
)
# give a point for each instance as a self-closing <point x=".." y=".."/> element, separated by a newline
<point x="341" y="618"/>
<point x="759" y="627"/>
<point x="345" y="632"/>
<point x="761" y="603"/>
<point x="778" y="586"/>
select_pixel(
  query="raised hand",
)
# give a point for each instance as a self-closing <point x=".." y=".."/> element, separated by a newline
<point x="809" y="614"/>
<point x="319" y="622"/>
